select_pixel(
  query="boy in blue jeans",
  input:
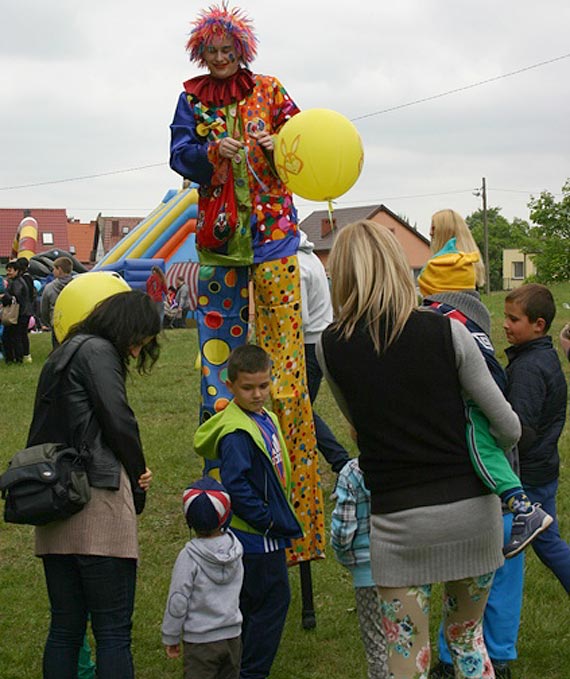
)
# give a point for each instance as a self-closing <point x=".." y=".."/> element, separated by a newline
<point x="536" y="388"/>
<point x="256" y="472"/>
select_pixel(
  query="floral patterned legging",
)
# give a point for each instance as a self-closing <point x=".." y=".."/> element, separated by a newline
<point x="405" y="618"/>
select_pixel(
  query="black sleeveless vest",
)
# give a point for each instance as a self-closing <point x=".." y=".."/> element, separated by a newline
<point x="407" y="409"/>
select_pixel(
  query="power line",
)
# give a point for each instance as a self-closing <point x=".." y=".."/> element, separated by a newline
<point x="113" y="209"/>
<point x="428" y="195"/>
<point x="362" y="117"/>
<point x="461" y="89"/>
<point x="303" y="203"/>
<point x="522" y="191"/>
<point x="361" y="202"/>
<point x="87" y="176"/>
<point x="365" y="201"/>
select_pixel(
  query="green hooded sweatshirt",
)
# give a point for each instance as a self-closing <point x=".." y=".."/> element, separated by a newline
<point x="209" y="434"/>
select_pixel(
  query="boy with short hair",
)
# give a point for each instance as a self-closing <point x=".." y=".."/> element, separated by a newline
<point x="62" y="270"/>
<point x="537" y="391"/>
<point x="255" y="470"/>
<point x="203" y="601"/>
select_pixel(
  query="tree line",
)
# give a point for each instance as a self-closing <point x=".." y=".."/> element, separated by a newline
<point x="546" y="238"/>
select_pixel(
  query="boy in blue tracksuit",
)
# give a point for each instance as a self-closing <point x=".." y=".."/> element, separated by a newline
<point x="256" y="472"/>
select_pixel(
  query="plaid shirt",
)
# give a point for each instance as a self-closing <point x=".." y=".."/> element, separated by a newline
<point x="350" y="524"/>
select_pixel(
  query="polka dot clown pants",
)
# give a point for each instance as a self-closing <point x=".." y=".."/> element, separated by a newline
<point x="222" y="316"/>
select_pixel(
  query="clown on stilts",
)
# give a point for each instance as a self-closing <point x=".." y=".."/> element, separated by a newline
<point x="223" y="138"/>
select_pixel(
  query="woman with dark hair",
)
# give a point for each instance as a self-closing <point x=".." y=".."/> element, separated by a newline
<point x="23" y="264"/>
<point x="15" y="337"/>
<point x="401" y="376"/>
<point x="90" y="559"/>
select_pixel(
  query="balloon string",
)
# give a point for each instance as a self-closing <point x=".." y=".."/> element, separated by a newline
<point x="330" y="209"/>
<point x="253" y="172"/>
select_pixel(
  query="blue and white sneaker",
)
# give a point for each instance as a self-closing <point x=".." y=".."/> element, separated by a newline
<point x="525" y="528"/>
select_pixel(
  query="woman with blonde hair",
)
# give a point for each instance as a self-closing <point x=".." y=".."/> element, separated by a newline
<point x="400" y="375"/>
<point x="448" y="285"/>
<point x="447" y="224"/>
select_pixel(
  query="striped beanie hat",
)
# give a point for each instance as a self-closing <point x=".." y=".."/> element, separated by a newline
<point x="207" y="505"/>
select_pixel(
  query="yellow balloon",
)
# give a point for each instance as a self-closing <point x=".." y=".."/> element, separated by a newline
<point x="318" y="154"/>
<point x="81" y="295"/>
<point x="198" y="362"/>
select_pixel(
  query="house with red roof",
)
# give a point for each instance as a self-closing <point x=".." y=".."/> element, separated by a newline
<point x="87" y="241"/>
<point x="52" y="229"/>
<point x="322" y="233"/>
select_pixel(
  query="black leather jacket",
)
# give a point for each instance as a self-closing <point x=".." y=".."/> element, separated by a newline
<point x="19" y="289"/>
<point x="81" y="398"/>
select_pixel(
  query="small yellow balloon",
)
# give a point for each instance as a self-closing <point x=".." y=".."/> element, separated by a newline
<point x="318" y="154"/>
<point x="81" y="295"/>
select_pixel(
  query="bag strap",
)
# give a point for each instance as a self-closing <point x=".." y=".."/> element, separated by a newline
<point x="80" y="340"/>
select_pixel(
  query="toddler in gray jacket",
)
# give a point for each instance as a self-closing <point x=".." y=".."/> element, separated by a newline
<point x="203" y="601"/>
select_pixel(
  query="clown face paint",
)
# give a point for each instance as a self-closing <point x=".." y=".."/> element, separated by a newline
<point x="220" y="57"/>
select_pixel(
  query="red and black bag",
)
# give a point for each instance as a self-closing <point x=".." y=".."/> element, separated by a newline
<point x="217" y="205"/>
<point x="217" y="214"/>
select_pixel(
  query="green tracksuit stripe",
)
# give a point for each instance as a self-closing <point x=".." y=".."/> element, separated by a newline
<point x="489" y="461"/>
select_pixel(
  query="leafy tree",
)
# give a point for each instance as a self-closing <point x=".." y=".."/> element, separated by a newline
<point x="551" y="235"/>
<point x="502" y="235"/>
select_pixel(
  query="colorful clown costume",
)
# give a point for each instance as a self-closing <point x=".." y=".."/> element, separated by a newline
<point x="261" y="244"/>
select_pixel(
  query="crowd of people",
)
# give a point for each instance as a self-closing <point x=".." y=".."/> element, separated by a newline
<point x="457" y="468"/>
<point x="423" y="393"/>
<point x="36" y="303"/>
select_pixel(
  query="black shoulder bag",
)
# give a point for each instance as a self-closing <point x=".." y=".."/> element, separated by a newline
<point x="45" y="483"/>
<point x="48" y="481"/>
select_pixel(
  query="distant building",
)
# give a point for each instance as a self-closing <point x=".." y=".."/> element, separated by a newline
<point x="321" y="232"/>
<point x="109" y="231"/>
<point x="52" y="229"/>
<point x="517" y="266"/>
<point x="81" y="236"/>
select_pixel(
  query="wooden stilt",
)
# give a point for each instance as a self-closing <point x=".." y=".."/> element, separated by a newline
<point x="308" y="618"/>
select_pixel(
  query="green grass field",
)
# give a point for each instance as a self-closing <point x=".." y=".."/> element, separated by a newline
<point x="166" y="404"/>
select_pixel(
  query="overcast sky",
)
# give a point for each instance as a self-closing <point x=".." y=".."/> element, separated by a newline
<point x="90" y="87"/>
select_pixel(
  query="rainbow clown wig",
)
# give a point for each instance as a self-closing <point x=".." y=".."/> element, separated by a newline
<point x="218" y="22"/>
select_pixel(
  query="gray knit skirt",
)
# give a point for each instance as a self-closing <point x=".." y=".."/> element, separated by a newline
<point x="438" y="543"/>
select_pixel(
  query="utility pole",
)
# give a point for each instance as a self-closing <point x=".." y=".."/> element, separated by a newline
<point x="486" y="237"/>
